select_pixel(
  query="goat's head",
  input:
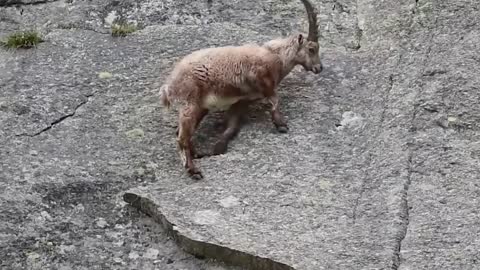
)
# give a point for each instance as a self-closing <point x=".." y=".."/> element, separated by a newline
<point x="308" y="50"/>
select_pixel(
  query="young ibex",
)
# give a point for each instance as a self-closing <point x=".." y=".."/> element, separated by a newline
<point x="229" y="78"/>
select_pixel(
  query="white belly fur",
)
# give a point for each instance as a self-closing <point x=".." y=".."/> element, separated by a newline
<point x="216" y="103"/>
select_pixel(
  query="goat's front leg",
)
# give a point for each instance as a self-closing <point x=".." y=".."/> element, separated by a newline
<point x="234" y="117"/>
<point x="277" y="117"/>
<point x="189" y="119"/>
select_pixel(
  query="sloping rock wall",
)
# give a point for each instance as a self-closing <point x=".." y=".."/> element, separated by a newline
<point x="380" y="168"/>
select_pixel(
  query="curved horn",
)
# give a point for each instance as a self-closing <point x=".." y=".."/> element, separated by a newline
<point x="312" y="21"/>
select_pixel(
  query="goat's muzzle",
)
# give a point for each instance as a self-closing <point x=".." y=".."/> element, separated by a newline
<point x="317" y="68"/>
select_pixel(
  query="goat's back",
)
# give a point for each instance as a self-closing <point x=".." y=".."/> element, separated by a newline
<point x="223" y="71"/>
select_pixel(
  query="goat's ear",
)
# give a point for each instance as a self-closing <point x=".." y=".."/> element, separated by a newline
<point x="300" y="39"/>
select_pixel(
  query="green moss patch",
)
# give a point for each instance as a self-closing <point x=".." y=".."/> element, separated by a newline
<point x="122" y="29"/>
<point x="25" y="39"/>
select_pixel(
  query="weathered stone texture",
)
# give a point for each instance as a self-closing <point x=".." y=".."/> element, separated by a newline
<point x="380" y="168"/>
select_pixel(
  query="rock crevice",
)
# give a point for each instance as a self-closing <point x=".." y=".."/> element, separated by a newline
<point x="12" y="3"/>
<point x="203" y="249"/>
<point x="60" y="119"/>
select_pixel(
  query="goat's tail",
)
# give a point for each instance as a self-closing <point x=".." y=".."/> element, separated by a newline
<point x="165" y="96"/>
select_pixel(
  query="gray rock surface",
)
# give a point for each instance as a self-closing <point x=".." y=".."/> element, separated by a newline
<point x="380" y="168"/>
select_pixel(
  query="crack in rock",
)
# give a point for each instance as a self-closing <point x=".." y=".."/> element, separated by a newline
<point x="11" y="3"/>
<point x="358" y="35"/>
<point x="82" y="28"/>
<point x="404" y="214"/>
<point x="391" y="83"/>
<point x="404" y="217"/>
<point x="59" y="120"/>
<point x="362" y="190"/>
<point x="201" y="249"/>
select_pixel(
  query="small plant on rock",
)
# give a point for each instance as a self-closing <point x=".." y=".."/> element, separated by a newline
<point x="25" y="39"/>
<point x="122" y="29"/>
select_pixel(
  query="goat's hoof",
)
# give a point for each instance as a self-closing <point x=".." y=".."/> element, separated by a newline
<point x="282" y="129"/>
<point x="195" y="174"/>
<point x="199" y="155"/>
<point x="220" y="148"/>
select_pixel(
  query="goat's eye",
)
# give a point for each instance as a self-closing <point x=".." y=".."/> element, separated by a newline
<point x="311" y="50"/>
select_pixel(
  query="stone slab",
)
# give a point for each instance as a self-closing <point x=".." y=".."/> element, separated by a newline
<point x="72" y="140"/>
<point x="379" y="170"/>
<point x="362" y="193"/>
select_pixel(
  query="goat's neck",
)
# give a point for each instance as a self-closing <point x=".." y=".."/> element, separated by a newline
<point x="286" y="49"/>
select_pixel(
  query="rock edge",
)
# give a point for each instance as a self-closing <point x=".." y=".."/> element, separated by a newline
<point x="202" y="249"/>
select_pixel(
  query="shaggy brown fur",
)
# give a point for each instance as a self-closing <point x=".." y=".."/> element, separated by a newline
<point x="231" y="77"/>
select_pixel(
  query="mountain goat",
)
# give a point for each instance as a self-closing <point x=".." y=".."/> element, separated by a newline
<point x="229" y="78"/>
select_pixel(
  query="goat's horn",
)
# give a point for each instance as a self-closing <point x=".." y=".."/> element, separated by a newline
<point x="312" y="21"/>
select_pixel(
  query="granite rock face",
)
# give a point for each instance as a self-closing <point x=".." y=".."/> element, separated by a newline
<point x="379" y="170"/>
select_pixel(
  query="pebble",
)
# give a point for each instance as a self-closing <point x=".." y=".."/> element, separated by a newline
<point x="101" y="223"/>
<point x="151" y="253"/>
<point x="133" y="255"/>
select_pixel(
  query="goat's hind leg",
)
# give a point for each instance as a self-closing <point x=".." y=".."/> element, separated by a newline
<point x="189" y="118"/>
